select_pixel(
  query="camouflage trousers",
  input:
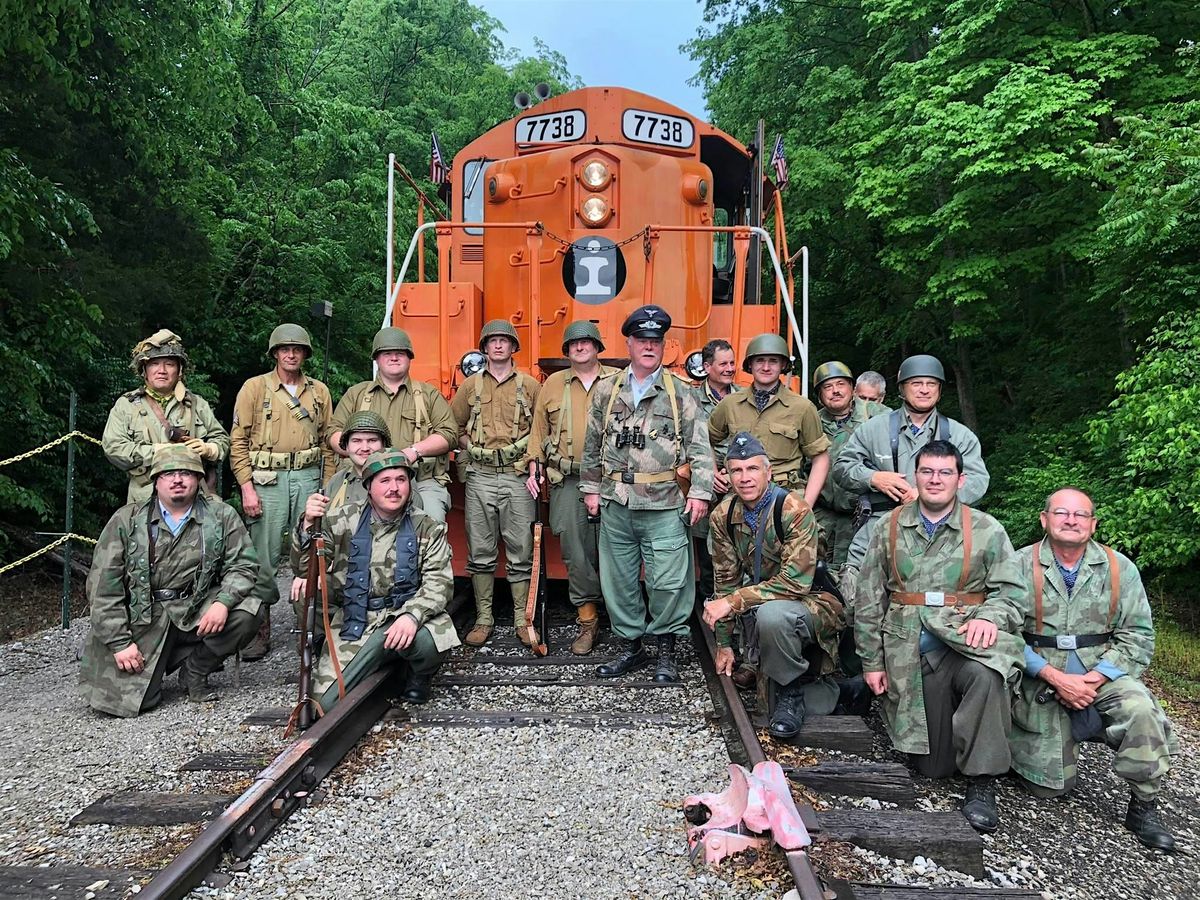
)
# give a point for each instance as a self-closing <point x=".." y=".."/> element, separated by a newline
<point x="205" y="654"/>
<point x="1135" y="726"/>
<point x="838" y="531"/>
<point x="969" y="715"/>
<point x="282" y="506"/>
<point x="578" y="539"/>
<point x="659" y="540"/>
<point x="360" y="658"/>
<point x="498" y="505"/>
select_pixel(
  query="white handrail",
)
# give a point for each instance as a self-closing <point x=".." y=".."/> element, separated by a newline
<point x="801" y="337"/>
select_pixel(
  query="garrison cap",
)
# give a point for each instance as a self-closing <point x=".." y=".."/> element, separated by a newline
<point x="387" y="458"/>
<point x="745" y="446"/>
<point x="649" y="321"/>
<point x="175" y="458"/>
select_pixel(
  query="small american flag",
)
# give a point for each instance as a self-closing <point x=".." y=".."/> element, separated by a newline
<point x="438" y="171"/>
<point x="779" y="161"/>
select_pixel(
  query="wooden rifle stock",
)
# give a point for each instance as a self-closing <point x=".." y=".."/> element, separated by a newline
<point x="535" y="602"/>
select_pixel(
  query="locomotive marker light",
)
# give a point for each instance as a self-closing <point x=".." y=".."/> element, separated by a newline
<point x="593" y="270"/>
<point x="694" y="365"/>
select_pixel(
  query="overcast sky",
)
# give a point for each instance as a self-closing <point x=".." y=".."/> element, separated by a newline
<point x="624" y="43"/>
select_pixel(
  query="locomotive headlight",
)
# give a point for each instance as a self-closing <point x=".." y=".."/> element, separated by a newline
<point x="595" y="176"/>
<point x="595" y="211"/>
<point x="473" y="361"/>
<point x="694" y="365"/>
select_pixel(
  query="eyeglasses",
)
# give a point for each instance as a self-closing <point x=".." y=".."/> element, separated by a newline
<point x="1068" y="513"/>
<point x="940" y="473"/>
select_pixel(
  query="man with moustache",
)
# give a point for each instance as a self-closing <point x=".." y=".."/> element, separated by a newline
<point x="1089" y="637"/>
<point x="720" y="367"/>
<point x="643" y="426"/>
<point x="390" y="579"/>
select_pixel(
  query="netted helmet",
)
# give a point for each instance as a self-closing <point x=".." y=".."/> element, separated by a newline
<point x="581" y="330"/>
<point x="828" y="370"/>
<point x="288" y="333"/>
<point x="921" y="366"/>
<point x="162" y="343"/>
<point x="392" y="339"/>
<point x="175" y="458"/>
<point x="765" y="345"/>
<point x="499" y="328"/>
<point x="388" y="458"/>
<point x="366" y="421"/>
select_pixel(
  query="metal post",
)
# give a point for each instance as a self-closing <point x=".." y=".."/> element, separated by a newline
<point x="70" y="515"/>
<point x="391" y="191"/>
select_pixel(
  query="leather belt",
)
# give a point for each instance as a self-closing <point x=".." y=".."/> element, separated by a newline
<point x="1066" y="641"/>
<point x="376" y="603"/>
<point x="627" y="477"/>
<point x="165" y="595"/>
<point x="937" y="598"/>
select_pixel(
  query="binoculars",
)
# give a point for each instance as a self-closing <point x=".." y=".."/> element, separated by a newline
<point x="177" y="435"/>
<point x="628" y="437"/>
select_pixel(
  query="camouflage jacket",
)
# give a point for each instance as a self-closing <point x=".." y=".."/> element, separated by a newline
<point x="1037" y="728"/>
<point x="212" y="554"/>
<point x="788" y="427"/>
<point x="888" y="635"/>
<point x="833" y="495"/>
<point x="346" y="488"/>
<point x="133" y="429"/>
<point x="427" y="606"/>
<point x="788" y="563"/>
<point x="664" y="450"/>
<point x="869" y="450"/>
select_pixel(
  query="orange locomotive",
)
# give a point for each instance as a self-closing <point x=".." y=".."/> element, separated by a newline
<point x="586" y="206"/>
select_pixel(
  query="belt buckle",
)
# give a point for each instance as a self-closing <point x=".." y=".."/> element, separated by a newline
<point x="627" y="477"/>
<point x="1065" y="642"/>
<point x="935" y="598"/>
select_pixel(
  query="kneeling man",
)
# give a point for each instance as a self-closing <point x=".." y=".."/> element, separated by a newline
<point x="170" y="589"/>
<point x="389" y="577"/>
<point x="764" y="556"/>
<point x="1089" y="637"/>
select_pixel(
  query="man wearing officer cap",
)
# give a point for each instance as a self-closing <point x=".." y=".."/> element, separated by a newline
<point x="170" y="588"/>
<point x="389" y="577"/>
<point x="417" y="416"/>
<point x="764" y="541"/>
<point x="645" y="426"/>
<point x="162" y="411"/>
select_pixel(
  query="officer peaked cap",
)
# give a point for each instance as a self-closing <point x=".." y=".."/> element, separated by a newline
<point x="649" y="321"/>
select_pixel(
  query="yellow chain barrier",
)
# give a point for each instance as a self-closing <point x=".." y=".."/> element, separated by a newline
<point x="36" y="553"/>
<point x="45" y="447"/>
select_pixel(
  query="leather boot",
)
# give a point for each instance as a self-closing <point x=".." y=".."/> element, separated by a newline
<point x="260" y="646"/>
<point x="520" y="594"/>
<point x="482" y="586"/>
<point x="589" y="623"/>
<point x="979" y="809"/>
<point x="416" y="691"/>
<point x="1142" y="819"/>
<point x="632" y="659"/>
<point x="193" y="675"/>
<point x="745" y="678"/>
<point x="788" y="717"/>
<point x="667" y="672"/>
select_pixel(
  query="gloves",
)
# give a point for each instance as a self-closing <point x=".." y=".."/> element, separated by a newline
<point x="203" y="449"/>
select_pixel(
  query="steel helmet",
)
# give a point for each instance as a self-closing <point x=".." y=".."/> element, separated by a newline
<point x="499" y="328"/>
<point x="765" y="345"/>
<point x="288" y="333"/>
<point x="366" y="421"/>
<point x="921" y="366"/>
<point x="833" y="369"/>
<point x="162" y="343"/>
<point x="387" y="458"/>
<point x="581" y="330"/>
<point x="175" y="458"/>
<point x="392" y="339"/>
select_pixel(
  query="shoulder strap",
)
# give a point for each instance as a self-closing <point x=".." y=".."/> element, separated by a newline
<point x="612" y="401"/>
<point x="729" y="516"/>
<point x="943" y="428"/>
<point x="894" y="432"/>
<point x="156" y="408"/>
<point x="474" y="423"/>
<point x="1039" y="580"/>
<point x="1114" y="584"/>
<point x="669" y="384"/>
<point x="966" y="566"/>
<point x="564" y="414"/>
<point x="419" y="411"/>
<point x="777" y="514"/>
<point x="893" y="539"/>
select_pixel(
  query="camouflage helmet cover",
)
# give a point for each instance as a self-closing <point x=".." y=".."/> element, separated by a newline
<point x="287" y="334"/>
<point x="499" y="328"/>
<point x="833" y="369"/>
<point x="387" y="458"/>
<point x="579" y="330"/>
<point x="175" y="458"/>
<point x="162" y="343"/>
<point x="366" y="421"/>
<point x="392" y="339"/>
<point x="765" y="345"/>
<point x="921" y="366"/>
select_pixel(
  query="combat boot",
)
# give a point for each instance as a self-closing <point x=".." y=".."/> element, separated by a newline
<point x="1142" y="819"/>
<point x="416" y="691"/>
<point x="589" y="623"/>
<point x="520" y="594"/>
<point x="193" y="675"/>
<point x="632" y="659"/>
<point x="788" y="717"/>
<point x="979" y="809"/>
<point x="482" y="585"/>
<point x="260" y="646"/>
<point x="667" y="672"/>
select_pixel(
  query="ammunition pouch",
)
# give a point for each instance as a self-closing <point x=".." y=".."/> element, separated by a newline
<point x="793" y="478"/>
<point x="500" y="456"/>
<point x="301" y="459"/>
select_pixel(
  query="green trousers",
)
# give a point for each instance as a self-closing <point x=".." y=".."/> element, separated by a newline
<point x="659" y="540"/>
<point x="434" y="499"/>
<point x="498" y="505"/>
<point x="282" y="506"/>
<point x="360" y="658"/>
<point x="786" y="634"/>
<point x="969" y="714"/>
<point x="578" y="539"/>
<point x="838" y="529"/>
<point x="206" y="653"/>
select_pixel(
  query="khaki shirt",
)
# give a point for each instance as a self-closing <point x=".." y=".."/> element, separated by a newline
<point x="399" y="410"/>
<point x="789" y="428"/>
<point x="263" y="420"/>
<point x="552" y="440"/>
<point x="502" y="414"/>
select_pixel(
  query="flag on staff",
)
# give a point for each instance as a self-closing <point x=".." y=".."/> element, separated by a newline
<point x="438" y="171"/>
<point x="779" y="161"/>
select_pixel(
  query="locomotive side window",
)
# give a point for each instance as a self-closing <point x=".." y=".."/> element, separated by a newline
<point x="474" y="185"/>
<point x="722" y="242"/>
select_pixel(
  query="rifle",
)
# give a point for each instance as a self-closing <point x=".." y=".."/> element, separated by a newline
<point x="535" y="603"/>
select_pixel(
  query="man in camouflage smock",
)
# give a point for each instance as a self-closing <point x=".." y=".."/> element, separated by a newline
<point x="764" y="541"/>
<point x="161" y="411"/>
<point x="720" y="368"/>
<point x="390" y="579"/>
<point x="170" y="588"/>
<point x="643" y="426"/>
<point x="939" y="602"/>
<point x="1089" y="636"/>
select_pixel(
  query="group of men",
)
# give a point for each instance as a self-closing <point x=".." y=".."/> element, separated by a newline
<point x="830" y="541"/>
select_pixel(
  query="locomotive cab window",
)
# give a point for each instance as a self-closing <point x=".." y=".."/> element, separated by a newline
<point x="474" y="190"/>
<point x="722" y="258"/>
